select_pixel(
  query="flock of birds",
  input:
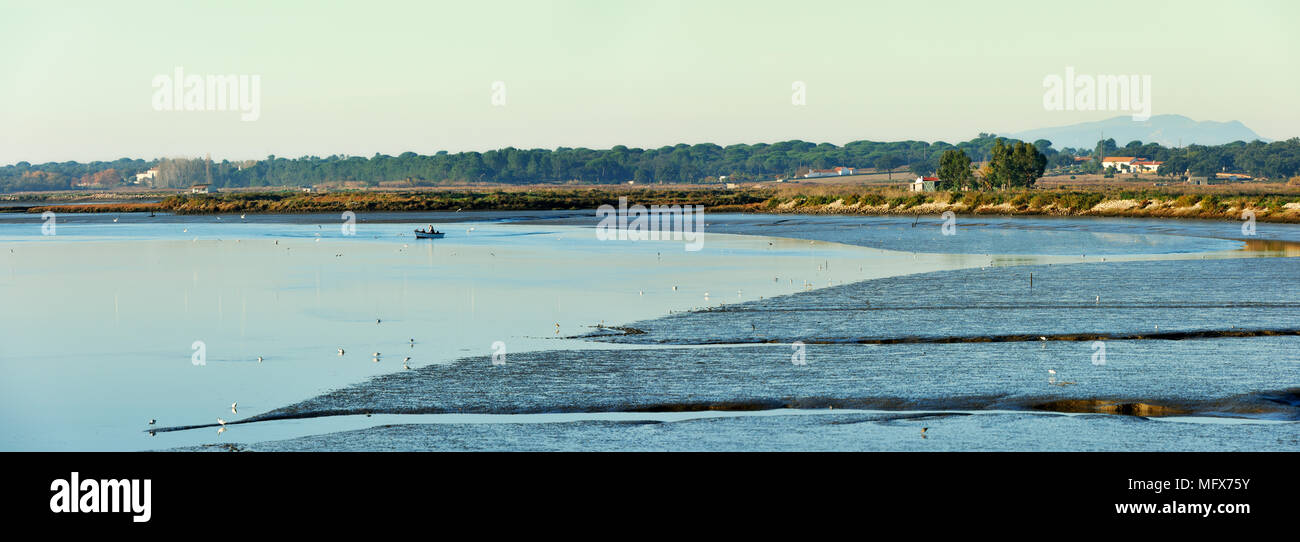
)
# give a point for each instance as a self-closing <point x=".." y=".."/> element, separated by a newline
<point x="377" y="356"/>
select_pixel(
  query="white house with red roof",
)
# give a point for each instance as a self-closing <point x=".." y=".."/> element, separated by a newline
<point x="1130" y="163"/>
<point x="1150" y="166"/>
<point x="924" y="184"/>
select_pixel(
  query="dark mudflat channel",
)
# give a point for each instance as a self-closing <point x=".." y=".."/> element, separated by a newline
<point x="849" y="431"/>
<point x="1159" y="300"/>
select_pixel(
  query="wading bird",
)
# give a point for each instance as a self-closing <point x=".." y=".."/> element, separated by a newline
<point x="221" y="421"/>
<point x="233" y="410"/>
<point x="340" y="351"/>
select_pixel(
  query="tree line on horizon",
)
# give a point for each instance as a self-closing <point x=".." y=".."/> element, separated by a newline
<point x="682" y="163"/>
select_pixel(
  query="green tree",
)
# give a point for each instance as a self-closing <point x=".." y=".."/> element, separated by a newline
<point x="954" y="169"/>
<point x="1105" y="147"/>
<point x="1017" y="165"/>
<point x="887" y="162"/>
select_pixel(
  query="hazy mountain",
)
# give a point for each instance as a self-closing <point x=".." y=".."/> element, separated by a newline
<point x="1166" y="130"/>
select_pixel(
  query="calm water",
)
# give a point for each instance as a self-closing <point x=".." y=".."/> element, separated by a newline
<point x="99" y="321"/>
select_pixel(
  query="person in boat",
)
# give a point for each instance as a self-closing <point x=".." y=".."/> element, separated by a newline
<point x="430" y="228"/>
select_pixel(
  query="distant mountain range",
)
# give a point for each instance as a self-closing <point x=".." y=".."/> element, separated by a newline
<point x="1167" y="130"/>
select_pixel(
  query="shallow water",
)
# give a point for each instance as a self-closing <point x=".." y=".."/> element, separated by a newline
<point x="99" y="321"/>
<point x="100" y="318"/>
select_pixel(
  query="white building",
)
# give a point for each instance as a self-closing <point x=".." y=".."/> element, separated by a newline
<point x="146" y="177"/>
<point x="924" y="184"/>
<point x="1120" y="163"/>
<point x="1148" y="166"/>
<point x="833" y="172"/>
<point x="1124" y="164"/>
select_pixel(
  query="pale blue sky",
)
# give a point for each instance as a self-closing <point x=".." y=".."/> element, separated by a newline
<point x="378" y="76"/>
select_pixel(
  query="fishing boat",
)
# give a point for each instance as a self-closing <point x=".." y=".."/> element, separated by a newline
<point x="429" y="234"/>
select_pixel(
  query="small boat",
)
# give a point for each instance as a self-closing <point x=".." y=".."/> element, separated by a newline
<point x="429" y="234"/>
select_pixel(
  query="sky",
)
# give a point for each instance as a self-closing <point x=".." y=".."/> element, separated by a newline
<point x="359" y="78"/>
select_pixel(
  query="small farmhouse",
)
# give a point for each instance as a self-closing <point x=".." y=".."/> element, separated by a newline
<point x="833" y="172"/>
<point x="147" y="177"/>
<point x="1134" y="164"/>
<point x="924" y="184"/>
